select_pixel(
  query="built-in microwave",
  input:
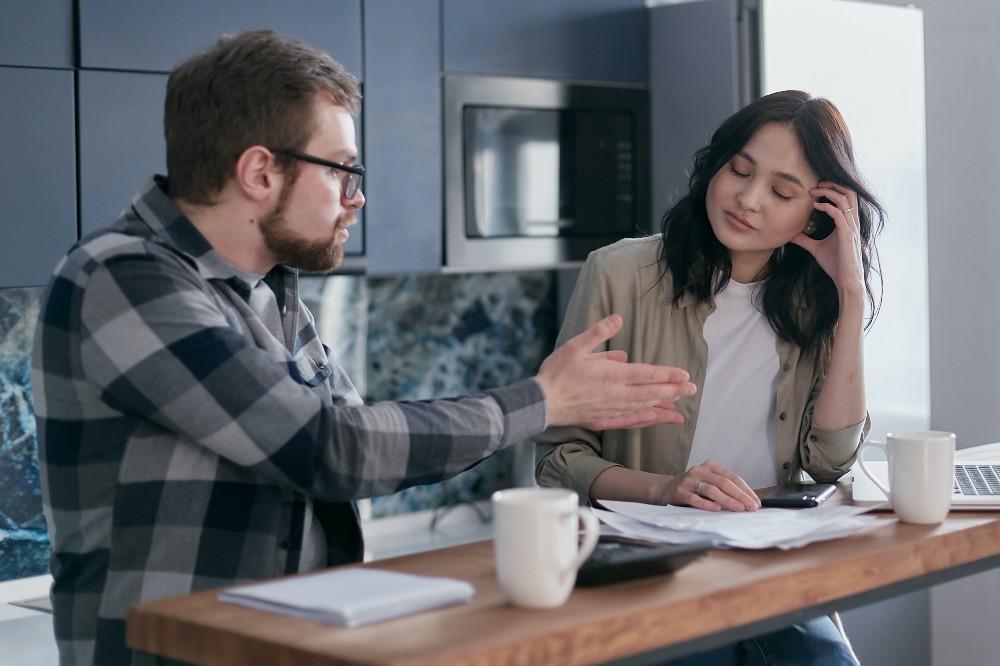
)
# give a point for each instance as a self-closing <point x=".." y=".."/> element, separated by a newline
<point x="538" y="173"/>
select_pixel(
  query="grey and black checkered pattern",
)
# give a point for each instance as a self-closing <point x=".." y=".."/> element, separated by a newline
<point x="183" y="444"/>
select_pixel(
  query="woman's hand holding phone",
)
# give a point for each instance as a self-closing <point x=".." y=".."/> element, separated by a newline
<point x="839" y="253"/>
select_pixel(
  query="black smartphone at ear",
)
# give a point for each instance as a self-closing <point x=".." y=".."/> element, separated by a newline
<point x="821" y="224"/>
<point x="799" y="495"/>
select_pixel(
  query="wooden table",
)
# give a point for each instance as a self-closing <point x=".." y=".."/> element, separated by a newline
<point x="725" y="596"/>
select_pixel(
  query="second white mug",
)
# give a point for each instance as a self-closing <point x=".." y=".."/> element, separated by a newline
<point x="535" y="542"/>
<point x="921" y="474"/>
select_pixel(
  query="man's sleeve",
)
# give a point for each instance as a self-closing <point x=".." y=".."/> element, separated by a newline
<point x="159" y="348"/>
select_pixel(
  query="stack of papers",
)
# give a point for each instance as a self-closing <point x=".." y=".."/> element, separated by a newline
<point x="764" y="528"/>
<point x="353" y="596"/>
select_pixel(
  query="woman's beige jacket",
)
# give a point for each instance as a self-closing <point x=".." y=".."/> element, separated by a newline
<point x="627" y="279"/>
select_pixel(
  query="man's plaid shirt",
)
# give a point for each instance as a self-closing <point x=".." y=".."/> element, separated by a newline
<point x="183" y="444"/>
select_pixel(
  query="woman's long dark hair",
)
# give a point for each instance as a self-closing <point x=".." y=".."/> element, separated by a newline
<point x="798" y="298"/>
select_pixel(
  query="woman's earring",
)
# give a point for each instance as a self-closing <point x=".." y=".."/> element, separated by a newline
<point x="810" y="227"/>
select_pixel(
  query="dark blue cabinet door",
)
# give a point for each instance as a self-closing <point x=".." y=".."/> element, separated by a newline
<point x="37" y="174"/>
<point x="122" y="145"/>
<point x="36" y="33"/>
<point x="602" y="40"/>
<point x="403" y="151"/>
<point x="688" y="103"/>
<point x="121" y="141"/>
<point x="155" y="36"/>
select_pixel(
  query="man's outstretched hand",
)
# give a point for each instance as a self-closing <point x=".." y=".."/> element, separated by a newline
<point x="602" y="391"/>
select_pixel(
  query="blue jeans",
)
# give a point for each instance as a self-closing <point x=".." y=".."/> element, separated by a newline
<point x="813" y="643"/>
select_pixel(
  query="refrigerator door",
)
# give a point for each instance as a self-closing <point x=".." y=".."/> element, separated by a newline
<point x="708" y="58"/>
<point x="868" y="59"/>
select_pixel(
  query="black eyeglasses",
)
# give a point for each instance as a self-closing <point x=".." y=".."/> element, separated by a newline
<point x="354" y="173"/>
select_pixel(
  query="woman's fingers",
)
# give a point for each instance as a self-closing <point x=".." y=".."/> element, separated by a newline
<point x="712" y="487"/>
<point x="842" y="199"/>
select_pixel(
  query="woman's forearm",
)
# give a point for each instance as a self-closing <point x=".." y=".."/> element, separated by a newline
<point x="841" y="402"/>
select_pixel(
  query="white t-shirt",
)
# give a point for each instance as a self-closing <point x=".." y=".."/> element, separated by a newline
<point x="739" y="399"/>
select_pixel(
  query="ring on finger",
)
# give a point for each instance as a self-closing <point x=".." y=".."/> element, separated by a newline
<point x="697" y="489"/>
<point x="848" y="210"/>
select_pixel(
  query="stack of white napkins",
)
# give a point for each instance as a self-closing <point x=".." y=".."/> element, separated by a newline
<point x="764" y="528"/>
<point x="353" y="596"/>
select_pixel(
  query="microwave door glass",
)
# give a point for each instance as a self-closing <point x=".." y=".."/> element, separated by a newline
<point x="532" y="172"/>
<point x="514" y="164"/>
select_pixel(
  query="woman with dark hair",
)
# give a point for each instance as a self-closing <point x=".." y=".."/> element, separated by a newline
<point x="760" y="286"/>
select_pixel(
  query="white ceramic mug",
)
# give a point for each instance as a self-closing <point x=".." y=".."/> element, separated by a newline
<point x="921" y="474"/>
<point x="536" y="543"/>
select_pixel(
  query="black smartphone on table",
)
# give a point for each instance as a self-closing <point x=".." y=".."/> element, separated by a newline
<point x="799" y="495"/>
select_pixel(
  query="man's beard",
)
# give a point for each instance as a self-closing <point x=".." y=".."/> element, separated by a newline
<point x="292" y="250"/>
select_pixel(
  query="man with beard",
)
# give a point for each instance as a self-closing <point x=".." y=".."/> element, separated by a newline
<point x="194" y="432"/>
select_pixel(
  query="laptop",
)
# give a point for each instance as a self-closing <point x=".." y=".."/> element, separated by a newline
<point x="976" y="485"/>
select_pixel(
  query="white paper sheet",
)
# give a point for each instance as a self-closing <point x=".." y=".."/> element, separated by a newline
<point x="352" y="596"/>
<point x="764" y="528"/>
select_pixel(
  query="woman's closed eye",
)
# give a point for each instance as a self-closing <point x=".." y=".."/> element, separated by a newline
<point x="736" y="172"/>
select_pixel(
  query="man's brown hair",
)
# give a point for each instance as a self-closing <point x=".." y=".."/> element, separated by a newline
<point x="252" y="88"/>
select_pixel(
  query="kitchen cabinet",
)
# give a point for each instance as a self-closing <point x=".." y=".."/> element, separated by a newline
<point x="122" y="144"/>
<point x="599" y="40"/>
<point x="403" y="150"/>
<point x="115" y="34"/>
<point x="38" y="174"/>
<point x="404" y="44"/>
<point x="36" y="33"/>
<point x="119" y="52"/>
<point x="156" y="36"/>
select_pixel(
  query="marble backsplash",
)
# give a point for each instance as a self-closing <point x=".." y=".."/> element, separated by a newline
<point x="433" y="336"/>
<point x="400" y="338"/>
<point x="24" y="544"/>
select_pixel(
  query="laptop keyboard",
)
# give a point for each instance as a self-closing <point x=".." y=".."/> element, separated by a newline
<point x="972" y="479"/>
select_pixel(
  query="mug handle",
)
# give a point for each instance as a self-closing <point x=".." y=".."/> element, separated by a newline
<point x="868" y="472"/>
<point x="591" y="531"/>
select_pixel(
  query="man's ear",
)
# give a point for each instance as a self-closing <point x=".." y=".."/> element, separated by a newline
<point x="256" y="173"/>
